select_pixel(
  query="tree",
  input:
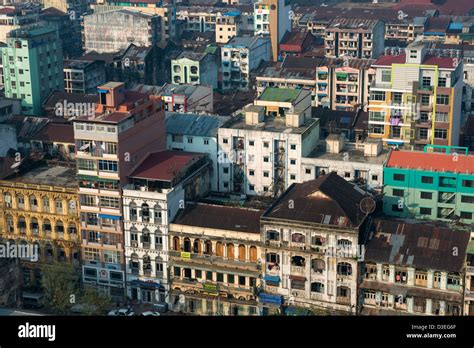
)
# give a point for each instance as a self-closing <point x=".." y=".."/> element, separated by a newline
<point x="93" y="302"/>
<point x="59" y="283"/>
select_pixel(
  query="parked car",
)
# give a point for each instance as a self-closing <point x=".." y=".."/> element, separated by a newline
<point x="123" y="312"/>
<point x="161" y="307"/>
<point x="151" y="314"/>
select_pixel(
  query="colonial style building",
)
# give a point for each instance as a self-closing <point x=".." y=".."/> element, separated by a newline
<point x="414" y="268"/>
<point x="215" y="259"/>
<point x="39" y="208"/>
<point x="312" y="239"/>
<point x="159" y="187"/>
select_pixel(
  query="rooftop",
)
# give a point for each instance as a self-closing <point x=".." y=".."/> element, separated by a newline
<point x="282" y="95"/>
<point x="220" y="217"/>
<point x="271" y="124"/>
<point x="352" y="24"/>
<point x="440" y="62"/>
<point x="420" y="244"/>
<point x="328" y="200"/>
<point x="244" y="41"/>
<point x="193" y="125"/>
<point x="56" y="132"/>
<point x="435" y="162"/>
<point x="355" y="155"/>
<point x="48" y="174"/>
<point x="165" y="165"/>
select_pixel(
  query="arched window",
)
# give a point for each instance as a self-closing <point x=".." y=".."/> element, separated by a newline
<point x="59" y="227"/>
<point x="208" y="247"/>
<point x="145" y="212"/>
<point x="157" y="214"/>
<point x="242" y="256"/>
<point x="34" y="226"/>
<point x="47" y="226"/>
<point x="10" y="224"/>
<point x="22" y="224"/>
<point x="7" y="200"/>
<point x="134" y="263"/>
<point x="253" y="254"/>
<point x="344" y="268"/>
<point x="317" y="287"/>
<point x="59" y="206"/>
<point x="230" y="251"/>
<point x="318" y="265"/>
<point x="48" y="252"/>
<point x="219" y="249"/>
<point x="197" y="246"/>
<point x="33" y="203"/>
<point x="46" y="206"/>
<point x="146" y="264"/>
<point x="187" y="244"/>
<point x="72" y="206"/>
<point x="176" y="244"/>
<point x="146" y="238"/>
<point x="133" y="211"/>
<point x="298" y="238"/>
<point x="61" y="255"/>
<point x="20" y="201"/>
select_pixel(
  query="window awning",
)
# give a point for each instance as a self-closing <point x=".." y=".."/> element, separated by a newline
<point x="111" y="217"/>
<point x="341" y="74"/>
<point x="299" y="278"/>
<point x="270" y="278"/>
<point x="145" y="284"/>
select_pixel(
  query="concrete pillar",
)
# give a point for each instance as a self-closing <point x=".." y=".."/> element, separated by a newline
<point x="429" y="284"/>
<point x="429" y="306"/>
<point x="379" y="272"/>
<point x="392" y="273"/>
<point x="391" y="300"/>
<point x="411" y="277"/>
<point x="410" y="302"/>
<point x="444" y="280"/>
<point x="442" y="307"/>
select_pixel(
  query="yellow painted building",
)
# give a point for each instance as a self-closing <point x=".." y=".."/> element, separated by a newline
<point x="38" y="207"/>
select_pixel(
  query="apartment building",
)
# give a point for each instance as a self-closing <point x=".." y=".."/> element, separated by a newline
<point x="17" y="16"/>
<point x="312" y="238"/>
<point x="159" y="187"/>
<point x="205" y="19"/>
<point x="239" y="57"/>
<point x="109" y="32"/>
<point x="110" y="143"/>
<point x="360" y="162"/>
<point x="261" y="152"/>
<point x="39" y="209"/>
<point x="416" y="99"/>
<point x="215" y="261"/>
<point x="430" y="185"/>
<point x="343" y="84"/>
<point x="272" y="19"/>
<point x="198" y="134"/>
<point x="83" y="76"/>
<point x="410" y="269"/>
<point x="293" y="73"/>
<point x="356" y="38"/>
<point x="227" y="26"/>
<point x="38" y="52"/>
<point x="165" y="9"/>
<point x="195" y="68"/>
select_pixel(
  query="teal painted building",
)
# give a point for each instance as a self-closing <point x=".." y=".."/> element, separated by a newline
<point x="430" y="185"/>
<point x="32" y="66"/>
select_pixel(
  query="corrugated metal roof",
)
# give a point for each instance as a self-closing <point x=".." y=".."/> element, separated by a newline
<point x="194" y="125"/>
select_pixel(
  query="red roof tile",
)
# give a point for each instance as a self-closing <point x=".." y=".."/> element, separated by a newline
<point x="56" y="132"/>
<point x="441" y="62"/>
<point x="389" y="60"/>
<point x="165" y="165"/>
<point x="436" y="162"/>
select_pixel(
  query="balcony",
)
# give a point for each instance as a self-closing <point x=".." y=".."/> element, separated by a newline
<point x="343" y="300"/>
<point x="297" y="270"/>
<point x="216" y="260"/>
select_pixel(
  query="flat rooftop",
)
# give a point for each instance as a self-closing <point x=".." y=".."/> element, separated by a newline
<point x="270" y="124"/>
<point x="46" y="174"/>
<point x="354" y="155"/>
<point x="282" y="95"/>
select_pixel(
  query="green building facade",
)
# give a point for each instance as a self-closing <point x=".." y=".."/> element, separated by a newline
<point x="33" y="66"/>
<point x="433" y="186"/>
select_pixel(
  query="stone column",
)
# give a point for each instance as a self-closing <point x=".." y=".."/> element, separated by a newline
<point x="430" y="275"/>
<point x="444" y="280"/>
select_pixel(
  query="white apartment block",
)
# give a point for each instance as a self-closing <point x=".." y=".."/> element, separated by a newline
<point x="240" y="56"/>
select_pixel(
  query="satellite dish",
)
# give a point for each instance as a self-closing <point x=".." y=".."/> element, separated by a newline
<point x="367" y="205"/>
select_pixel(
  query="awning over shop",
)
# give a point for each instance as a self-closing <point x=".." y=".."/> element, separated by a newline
<point x="272" y="279"/>
<point x="342" y="75"/>
<point x="269" y="298"/>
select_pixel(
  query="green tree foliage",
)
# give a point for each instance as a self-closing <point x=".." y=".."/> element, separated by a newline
<point x="59" y="283"/>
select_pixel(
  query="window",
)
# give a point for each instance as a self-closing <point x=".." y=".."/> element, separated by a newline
<point x="292" y="177"/>
<point x="225" y="170"/>
<point x="266" y="159"/>
<point x="441" y="117"/>
<point x="225" y="141"/>
<point x="397" y="97"/>
<point x="266" y="144"/>
<point x="242" y="281"/>
<point x="190" y="140"/>
<point x="440" y="133"/>
<point x="441" y="81"/>
<point x="425" y="211"/>
<point x="108" y="166"/>
<point x="466" y="215"/>
<point x="376" y="129"/>
<point x="293" y="146"/>
<point x="251" y="172"/>
<point x="230" y="279"/>
<point x="83" y="164"/>
<point x="375" y="177"/>
<point x="426" y="81"/>
<point x="344" y="268"/>
<point x="307" y="171"/>
<point x="109" y="202"/>
<point x="386" y="76"/>
<point x="425" y="99"/>
<point x="220" y="277"/>
<point x="468" y="183"/>
<point x="317" y="287"/>
<point x="413" y="54"/>
<point x="266" y="174"/>
<point x="377" y="95"/>
<point x="442" y="99"/>
<point x="251" y="143"/>
<point x="251" y="187"/>
<point x="347" y="174"/>
<point x="397" y="192"/>
<point x="292" y="161"/>
<point x="377" y="116"/>
<point x="59" y="206"/>
<point x="467" y="199"/>
<point x="426" y="195"/>
<point x="399" y="177"/>
<point x="427" y="179"/>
